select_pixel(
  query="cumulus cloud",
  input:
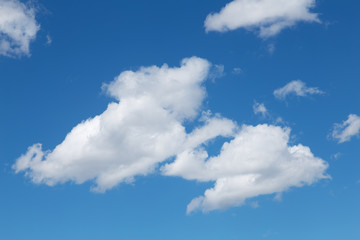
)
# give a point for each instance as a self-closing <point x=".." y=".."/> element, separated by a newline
<point x="18" y="28"/>
<point x="343" y="132"/>
<point x="259" y="160"/>
<point x="267" y="17"/>
<point x="298" y="88"/>
<point x="259" y="108"/>
<point x="143" y="128"/>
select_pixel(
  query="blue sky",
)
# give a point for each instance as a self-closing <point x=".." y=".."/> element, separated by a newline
<point x="249" y="131"/>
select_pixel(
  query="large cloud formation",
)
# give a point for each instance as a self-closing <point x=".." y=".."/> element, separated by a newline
<point x="146" y="127"/>
<point x="257" y="161"/>
<point x="133" y="135"/>
<point x="268" y="17"/>
<point x="18" y="28"/>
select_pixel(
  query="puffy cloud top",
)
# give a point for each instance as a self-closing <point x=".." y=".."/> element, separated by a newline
<point x="178" y="90"/>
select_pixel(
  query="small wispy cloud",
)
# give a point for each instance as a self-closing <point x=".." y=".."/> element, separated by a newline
<point x="271" y="48"/>
<point x="237" y="70"/>
<point x="216" y="71"/>
<point x="344" y="131"/>
<point x="259" y="108"/>
<point x="48" y="39"/>
<point x="336" y="156"/>
<point x="298" y="88"/>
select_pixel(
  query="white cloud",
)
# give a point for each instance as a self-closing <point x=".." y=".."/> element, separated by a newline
<point x="133" y="135"/>
<point x="259" y="108"/>
<point x="145" y="127"/>
<point x="297" y="88"/>
<point x="268" y="17"/>
<point x="257" y="161"/>
<point x="343" y="132"/>
<point x="18" y="28"/>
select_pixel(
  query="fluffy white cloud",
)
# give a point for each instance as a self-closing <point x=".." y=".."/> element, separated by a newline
<point x="146" y="126"/>
<point x="268" y="17"/>
<point x="259" y="108"/>
<point x="343" y="132"/>
<point x="257" y="161"/>
<point x="18" y="28"/>
<point x="297" y="88"/>
<point x="133" y="135"/>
